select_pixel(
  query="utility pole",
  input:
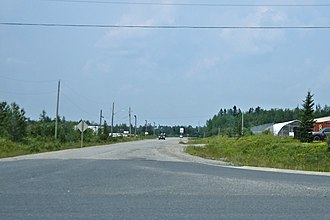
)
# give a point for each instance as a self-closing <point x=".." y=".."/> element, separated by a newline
<point x="100" y="126"/>
<point x="242" y="123"/>
<point x="113" y="114"/>
<point x="154" y="129"/>
<point x="129" y="121"/>
<point x="57" y="107"/>
<point x="135" y="125"/>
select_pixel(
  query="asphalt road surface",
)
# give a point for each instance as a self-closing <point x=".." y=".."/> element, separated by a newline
<point x="152" y="179"/>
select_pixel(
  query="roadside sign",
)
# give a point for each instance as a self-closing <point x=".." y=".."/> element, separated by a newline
<point x="181" y="130"/>
<point x="82" y="126"/>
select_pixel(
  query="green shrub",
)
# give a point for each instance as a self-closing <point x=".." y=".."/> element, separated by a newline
<point x="6" y="145"/>
<point x="34" y="145"/>
<point x="9" y="148"/>
<point x="266" y="151"/>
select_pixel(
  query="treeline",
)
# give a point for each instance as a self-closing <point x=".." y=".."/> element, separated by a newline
<point x="12" y="122"/>
<point x="16" y="127"/>
<point x="229" y="121"/>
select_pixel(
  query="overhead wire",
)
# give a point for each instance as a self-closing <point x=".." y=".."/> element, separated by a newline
<point x="80" y="95"/>
<point x="68" y="99"/>
<point x="28" y="93"/>
<point x="159" y="26"/>
<point x="27" y="81"/>
<point x="188" y="4"/>
<point x="40" y="93"/>
<point x="37" y="93"/>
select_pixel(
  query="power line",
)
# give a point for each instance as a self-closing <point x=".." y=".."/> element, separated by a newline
<point x="27" y="81"/>
<point x="69" y="100"/>
<point x="157" y="26"/>
<point x="41" y="93"/>
<point x="190" y="4"/>
<point x="66" y="85"/>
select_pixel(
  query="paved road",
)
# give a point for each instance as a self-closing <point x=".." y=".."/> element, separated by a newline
<point x="152" y="180"/>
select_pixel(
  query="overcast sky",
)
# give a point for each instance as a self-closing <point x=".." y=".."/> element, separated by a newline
<point x="167" y="76"/>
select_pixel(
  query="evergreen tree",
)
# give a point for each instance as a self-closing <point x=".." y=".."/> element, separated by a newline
<point x="12" y="121"/>
<point x="307" y="119"/>
<point x="4" y="112"/>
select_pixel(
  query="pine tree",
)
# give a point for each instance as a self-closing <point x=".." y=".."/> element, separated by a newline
<point x="307" y="119"/>
<point x="4" y="112"/>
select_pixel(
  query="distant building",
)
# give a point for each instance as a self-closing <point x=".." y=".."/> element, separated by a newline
<point x="262" y="128"/>
<point x="320" y="123"/>
<point x="278" y="129"/>
<point x="287" y="128"/>
<point x="95" y="128"/>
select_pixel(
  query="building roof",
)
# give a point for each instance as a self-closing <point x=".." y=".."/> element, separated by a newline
<point x="278" y="126"/>
<point x="323" y="119"/>
<point x="261" y="128"/>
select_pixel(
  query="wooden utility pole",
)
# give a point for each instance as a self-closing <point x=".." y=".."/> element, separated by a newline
<point x="129" y="121"/>
<point x="57" y="107"/>
<point x="135" y="125"/>
<point x="112" y="117"/>
<point x="100" y="126"/>
<point x="242" y="123"/>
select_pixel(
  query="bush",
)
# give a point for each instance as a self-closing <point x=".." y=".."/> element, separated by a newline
<point x="328" y="142"/>
<point x="9" y="148"/>
<point x="42" y="144"/>
<point x="6" y="145"/>
<point x="267" y="151"/>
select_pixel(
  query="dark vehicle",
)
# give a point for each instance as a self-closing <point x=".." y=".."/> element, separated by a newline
<point x="321" y="135"/>
<point x="161" y="136"/>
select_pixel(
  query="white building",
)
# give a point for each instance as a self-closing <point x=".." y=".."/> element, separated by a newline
<point x="278" y="129"/>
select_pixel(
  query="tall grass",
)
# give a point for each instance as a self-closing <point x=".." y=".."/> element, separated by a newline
<point x="9" y="148"/>
<point x="266" y="151"/>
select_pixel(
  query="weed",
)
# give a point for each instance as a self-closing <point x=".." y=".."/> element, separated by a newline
<point x="267" y="150"/>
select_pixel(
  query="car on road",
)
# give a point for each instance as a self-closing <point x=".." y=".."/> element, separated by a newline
<point x="161" y="136"/>
<point x="321" y="135"/>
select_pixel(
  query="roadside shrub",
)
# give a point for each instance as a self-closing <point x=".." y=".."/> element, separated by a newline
<point x="34" y="145"/>
<point x="267" y="132"/>
<point x="328" y="142"/>
<point x="6" y="145"/>
<point x="267" y="151"/>
<point x="42" y="144"/>
<point x="9" y="148"/>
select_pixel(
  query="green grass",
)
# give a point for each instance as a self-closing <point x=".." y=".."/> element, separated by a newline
<point x="265" y="151"/>
<point x="39" y="145"/>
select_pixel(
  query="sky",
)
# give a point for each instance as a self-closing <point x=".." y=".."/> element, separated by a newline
<point x="168" y="76"/>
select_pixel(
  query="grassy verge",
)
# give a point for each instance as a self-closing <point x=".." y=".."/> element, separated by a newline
<point x="39" y="145"/>
<point x="265" y="151"/>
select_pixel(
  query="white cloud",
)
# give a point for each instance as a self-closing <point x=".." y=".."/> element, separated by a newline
<point x="152" y="15"/>
<point x="325" y="77"/>
<point x="92" y="67"/>
<point x="255" y="41"/>
<point x="16" y="61"/>
<point x="202" y="67"/>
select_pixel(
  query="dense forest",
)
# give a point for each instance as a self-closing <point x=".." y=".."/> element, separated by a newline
<point x="229" y="121"/>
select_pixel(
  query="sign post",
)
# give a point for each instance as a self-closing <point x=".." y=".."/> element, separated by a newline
<point x="82" y="126"/>
<point x="181" y="132"/>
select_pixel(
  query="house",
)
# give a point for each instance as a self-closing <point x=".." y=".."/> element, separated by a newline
<point x="321" y="123"/>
